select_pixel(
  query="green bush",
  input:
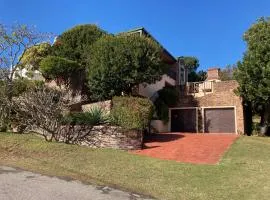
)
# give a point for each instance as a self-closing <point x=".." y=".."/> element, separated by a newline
<point x="22" y="85"/>
<point x="131" y="112"/>
<point x="161" y="110"/>
<point x="167" y="97"/>
<point x="53" y="67"/>
<point x="94" y="116"/>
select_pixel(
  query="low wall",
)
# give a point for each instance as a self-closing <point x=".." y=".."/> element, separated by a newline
<point x="103" y="136"/>
<point x="113" y="137"/>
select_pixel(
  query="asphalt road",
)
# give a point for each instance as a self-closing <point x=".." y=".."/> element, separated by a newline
<point x="17" y="184"/>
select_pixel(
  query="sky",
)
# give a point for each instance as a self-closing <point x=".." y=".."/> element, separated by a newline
<point x="210" y="30"/>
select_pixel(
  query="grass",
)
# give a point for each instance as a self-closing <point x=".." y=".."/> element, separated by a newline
<point x="244" y="172"/>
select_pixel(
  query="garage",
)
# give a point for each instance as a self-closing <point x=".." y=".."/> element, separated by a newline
<point x="219" y="120"/>
<point x="184" y="120"/>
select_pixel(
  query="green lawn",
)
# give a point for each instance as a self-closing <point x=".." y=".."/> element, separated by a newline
<point x="244" y="172"/>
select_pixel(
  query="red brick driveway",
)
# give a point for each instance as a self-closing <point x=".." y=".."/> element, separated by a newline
<point x="191" y="148"/>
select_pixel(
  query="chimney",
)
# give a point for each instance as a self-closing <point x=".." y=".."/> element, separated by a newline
<point x="213" y="74"/>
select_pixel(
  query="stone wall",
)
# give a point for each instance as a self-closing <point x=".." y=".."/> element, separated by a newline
<point x="223" y="95"/>
<point x="112" y="137"/>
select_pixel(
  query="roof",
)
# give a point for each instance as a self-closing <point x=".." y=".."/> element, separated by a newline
<point x="145" y="32"/>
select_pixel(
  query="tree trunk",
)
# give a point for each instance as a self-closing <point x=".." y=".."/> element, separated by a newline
<point x="265" y="120"/>
<point x="247" y="106"/>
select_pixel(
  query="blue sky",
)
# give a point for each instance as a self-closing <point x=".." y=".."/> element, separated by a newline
<point x="208" y="29"/>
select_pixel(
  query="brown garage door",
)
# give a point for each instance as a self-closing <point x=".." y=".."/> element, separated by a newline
<point x="184" y="120"/>
<point x="219" y="120"/>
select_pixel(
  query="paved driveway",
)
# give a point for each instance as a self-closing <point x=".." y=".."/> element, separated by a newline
<point x="22" y="185"/>
<point x="191" y="148"/>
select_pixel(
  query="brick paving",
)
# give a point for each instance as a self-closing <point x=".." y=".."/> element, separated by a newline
<point x="190" y="148"/>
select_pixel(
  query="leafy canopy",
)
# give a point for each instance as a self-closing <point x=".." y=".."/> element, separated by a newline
<point x="118" y="63"/>
<point x="74" y="44"/>
<point x="191" y="62"/>
<point x="32" y="56"/>
<point x="53" y="67"/>
<point x="253" y="73"/>
<point x="194" y="76"/>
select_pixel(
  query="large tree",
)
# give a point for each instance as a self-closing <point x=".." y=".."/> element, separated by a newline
<point x="72" y="47"/>
<point x="253" y="73"/>
<point x="195" y="76"/>
<point x="75" y="43"/>
<point x="118" y="63"/>
<point x="190" y="62"/>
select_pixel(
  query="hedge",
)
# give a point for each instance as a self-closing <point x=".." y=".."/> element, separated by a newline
<point x="131" y="112"/>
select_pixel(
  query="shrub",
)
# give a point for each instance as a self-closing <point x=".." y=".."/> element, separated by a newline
<point x="161" y="110"/>
<point x="131" y="112"/>
<point x="22" y="85"/>
<point x="4" y="111"/>
<point x="53" y="67"/>
<point x="167" y="97"/>
<point x="94" y="116"/>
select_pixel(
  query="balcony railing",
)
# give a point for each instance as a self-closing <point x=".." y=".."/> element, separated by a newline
<point x="199" y="87"/>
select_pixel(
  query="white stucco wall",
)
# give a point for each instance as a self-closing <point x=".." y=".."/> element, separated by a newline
<point x="159" y="126"/>
<point x="36" y="75"/>
<point x="148" y="90"/>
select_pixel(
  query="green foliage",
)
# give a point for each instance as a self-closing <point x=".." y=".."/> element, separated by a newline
<point x="191" y="62"/>
<point x="253" y="72"/>
<point x="167" y="97"/>
<point x="74" y="44"/>
<point x="53" y="67"/>
<point x="194" y="76"/>
<point x="32" y="56"/>
<point x="18" y="87"/>
<point x="131" y="112"/>
<point x="161" y="110"/>
<point x="94" y="116"/>
<point x="117" y="64"/>
<point x="4" y="111"/>
<point x="22" y="85"/>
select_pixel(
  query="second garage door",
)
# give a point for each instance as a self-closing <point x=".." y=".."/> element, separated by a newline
<point x="219" y="120"/>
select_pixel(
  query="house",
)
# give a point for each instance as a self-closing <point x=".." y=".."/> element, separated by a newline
<point x="30" y="75"/>
<point x="208" y="107"/>
<point x="203" y="107"/>
<point x="176" y="75"/>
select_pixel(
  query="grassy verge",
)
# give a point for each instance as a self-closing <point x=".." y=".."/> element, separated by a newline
<point x="244" y="172"/>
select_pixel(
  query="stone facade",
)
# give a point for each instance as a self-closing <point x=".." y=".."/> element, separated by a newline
<point x="222" y="96"/>
<point x="112" y="137"/>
